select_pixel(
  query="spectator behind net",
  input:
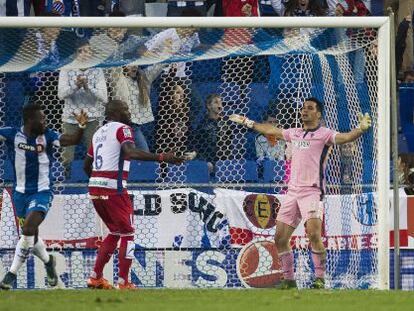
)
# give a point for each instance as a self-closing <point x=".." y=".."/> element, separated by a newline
<point x="351" y="8"/>
<point x="405" y="167"/>
<point x="401" y="41"/>
<point x="179" y="8"/>
<point x="133" y="86"/>
<point x="81" y="89"/>
<point x="304" y="8"/>
<point x="213" y="137"/>
<point x="172" y="117"/>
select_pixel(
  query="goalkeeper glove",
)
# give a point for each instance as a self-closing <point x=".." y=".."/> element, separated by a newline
<point x="364" y="122"/>
<point x="242" y="120"/>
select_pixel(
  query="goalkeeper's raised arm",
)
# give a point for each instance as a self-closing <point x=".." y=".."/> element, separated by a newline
<point x="364" y="126"/>
<point x="263" y="128"/>
<point x="270" y="129"/>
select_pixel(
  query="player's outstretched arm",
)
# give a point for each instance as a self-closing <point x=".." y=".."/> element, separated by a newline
<point x="136" y="154"/>
<point x="263" y="128"/>
<point x="75" y="138"/>
<point x="364" y="126"/>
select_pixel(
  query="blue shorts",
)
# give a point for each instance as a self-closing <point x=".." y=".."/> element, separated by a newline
<point x="26" y="203"/>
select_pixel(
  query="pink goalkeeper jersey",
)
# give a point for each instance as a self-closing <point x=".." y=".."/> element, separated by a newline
<point x="309" y="152"/>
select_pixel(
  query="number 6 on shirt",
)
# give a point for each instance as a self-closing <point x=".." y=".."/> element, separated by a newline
<point x="98" y="158"/>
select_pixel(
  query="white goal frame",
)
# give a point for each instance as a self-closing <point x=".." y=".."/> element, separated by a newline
<point x="384" y="52"/>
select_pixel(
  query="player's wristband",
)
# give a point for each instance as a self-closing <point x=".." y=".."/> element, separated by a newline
<point x="82" y="126"/>
<point x="160" y="157"/>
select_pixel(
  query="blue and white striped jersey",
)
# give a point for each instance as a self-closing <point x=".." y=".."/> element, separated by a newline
<point x="31" y="158"/>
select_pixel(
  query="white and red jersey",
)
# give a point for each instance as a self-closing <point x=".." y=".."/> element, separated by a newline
<point x="310" y="149"/>
<point x="110" y="167"/>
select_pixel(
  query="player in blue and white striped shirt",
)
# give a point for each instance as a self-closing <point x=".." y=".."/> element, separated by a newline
<point x="31" y="152"/>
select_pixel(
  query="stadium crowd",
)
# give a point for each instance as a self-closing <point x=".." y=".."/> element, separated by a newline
<point x="175" y="8"/>
<point x="133" y="84"/>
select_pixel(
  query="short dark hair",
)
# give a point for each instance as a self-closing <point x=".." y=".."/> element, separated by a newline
<point x="319" y="105"/>
<point x="30" y="109"/>
<point x="112" y="106"/>
<point x="211" y="97"/>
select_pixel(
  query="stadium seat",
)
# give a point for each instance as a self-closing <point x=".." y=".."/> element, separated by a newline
<point x="8" y="175"/>
<point x="270" y="168"/>
<point x="406" y="115"/>
<point x="236" y="170"/>
<point x="77" y="173"/>
<point x="197" y="172"/>
<point x="143" y="171"/>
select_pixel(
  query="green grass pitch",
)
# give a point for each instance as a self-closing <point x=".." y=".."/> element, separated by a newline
<point x="214" y="300"/>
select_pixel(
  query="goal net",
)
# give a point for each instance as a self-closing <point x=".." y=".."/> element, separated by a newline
<point x="209" y="222"/>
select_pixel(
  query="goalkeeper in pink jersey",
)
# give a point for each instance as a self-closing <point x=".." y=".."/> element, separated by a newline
<point x="310" y="148"/>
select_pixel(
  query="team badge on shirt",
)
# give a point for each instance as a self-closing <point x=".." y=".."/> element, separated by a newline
<point x="127" y="133"/>
<point x="40" y="148"/>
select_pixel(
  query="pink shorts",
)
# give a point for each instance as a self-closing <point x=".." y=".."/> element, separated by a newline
<point x="300" y="203"/>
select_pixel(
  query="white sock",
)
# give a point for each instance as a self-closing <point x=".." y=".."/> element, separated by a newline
<point x="22" y="252"/>
<point x="39" y="249"/>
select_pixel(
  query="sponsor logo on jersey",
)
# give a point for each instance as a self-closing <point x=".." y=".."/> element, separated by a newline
<point x="98" y="183"/>
<point x="301" y="144"/>
<point x="38" y="148"/>
<point x="258" y="264"/>
<point x="261" y="210"/>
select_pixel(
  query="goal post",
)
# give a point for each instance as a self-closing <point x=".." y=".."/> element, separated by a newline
<point x="300" y="70"/>
<point x="384" y="88"/>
